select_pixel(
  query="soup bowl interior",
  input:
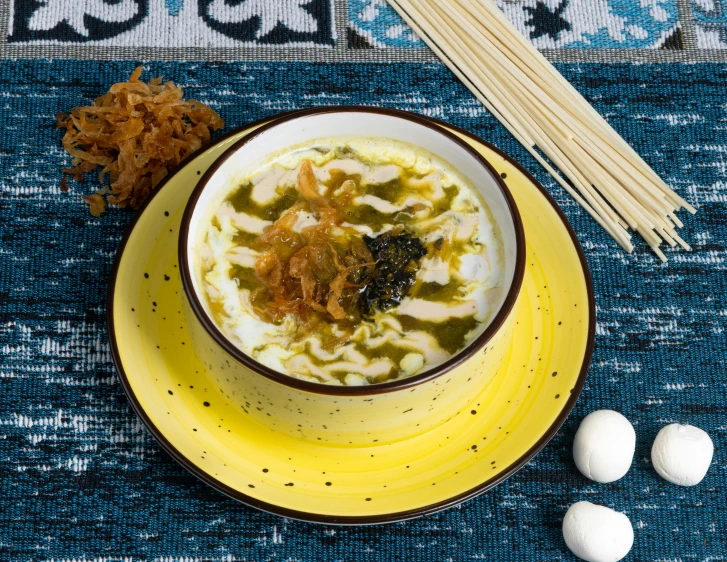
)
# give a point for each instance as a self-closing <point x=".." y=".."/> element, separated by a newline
<point x="258" y="148"/>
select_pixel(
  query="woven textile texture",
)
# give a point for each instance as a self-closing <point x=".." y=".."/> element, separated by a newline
<point x="219" y="23"/>
<point x="83" y="480"/>
<point x="347" y="30"/>
<point x="619" y="24"/>
<point x="173" y="23"/>
<point x="710" y="17"/>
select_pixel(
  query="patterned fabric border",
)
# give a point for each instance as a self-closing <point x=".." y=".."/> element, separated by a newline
<point x="584" y="24"/>
<point x="348" y="30"/>
<point x="171" y="23"/>
<point x="710" y="19"/>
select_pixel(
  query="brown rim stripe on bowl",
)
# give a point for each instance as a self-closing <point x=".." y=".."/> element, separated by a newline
<point x="319" y="388"/>
<point x="365" y="519"/>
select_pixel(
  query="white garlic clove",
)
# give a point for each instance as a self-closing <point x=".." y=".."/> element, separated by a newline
<point x="682" y="454"/>
<point x="604" y="445"/>
<point x="596" y="533"/>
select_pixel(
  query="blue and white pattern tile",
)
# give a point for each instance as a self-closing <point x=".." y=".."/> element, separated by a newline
<point x="710" y="20"/>
<point x="595" y="24"/>
<point x="585" y="24"/>
<point x="380" y="26"/>
<point x="172" y="23"/>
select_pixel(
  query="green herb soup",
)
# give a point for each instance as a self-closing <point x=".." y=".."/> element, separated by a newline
<point x="352" y="261"/>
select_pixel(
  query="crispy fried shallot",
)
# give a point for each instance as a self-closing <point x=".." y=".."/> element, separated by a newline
<point x="136" y="133"/>
<point x="322" y="267"/>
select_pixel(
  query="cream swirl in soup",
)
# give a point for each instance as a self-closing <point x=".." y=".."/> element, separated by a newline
<point x="352" y="261"/>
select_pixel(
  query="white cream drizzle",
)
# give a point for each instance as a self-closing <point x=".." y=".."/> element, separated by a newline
<point x="304" y="220"/>
<point x="352" y="167"/>
<point x="474" y="267"/>
<point x="367" y="230"/>
<point x="382" y="174"/>
<point x="434" y="311"/>
<point x="348" y="166"/>
<point x="242" y="256"/>
<point x="303" y="364"/>
<point x="453" y="225"/>
<point x="431" y="183"/>
<point x="241" y="221"/>
<point x="266" y="184"/>
<point x="434" y="270"/>
<point x="386" y="207"/>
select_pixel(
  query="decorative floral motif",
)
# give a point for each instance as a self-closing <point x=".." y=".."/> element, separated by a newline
<point x="173" y="23"/>
<point x="53" y="12"/>
<point x="549" y="23"/>
<point x="710" y="17"/>
<point x="376" y="23"/>
<point x="267" y="14"/>
<point x="74" y="21"/>
<point x="578" y="24"/>
<point x="615" y="24"/>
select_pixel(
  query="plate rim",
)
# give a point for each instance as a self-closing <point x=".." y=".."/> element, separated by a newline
<point x="305" y="516"/>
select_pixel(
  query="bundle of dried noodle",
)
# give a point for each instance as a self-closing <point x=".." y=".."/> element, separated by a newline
<point x="550" y="119"/>
<point x="135" y="133"/>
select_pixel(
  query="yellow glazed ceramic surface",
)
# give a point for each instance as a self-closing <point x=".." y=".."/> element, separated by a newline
<point x="509" y="421"/>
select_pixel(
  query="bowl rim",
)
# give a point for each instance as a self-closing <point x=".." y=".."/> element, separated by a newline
<point x="343" y="390"/>
<point x="378" y="519"/>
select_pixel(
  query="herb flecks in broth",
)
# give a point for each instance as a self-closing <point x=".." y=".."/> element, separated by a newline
<point x="339" y="264"/>
<point x="450" y="333"/>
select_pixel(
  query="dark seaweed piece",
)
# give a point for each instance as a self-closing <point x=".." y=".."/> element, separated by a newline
<point x="397" y="254"/>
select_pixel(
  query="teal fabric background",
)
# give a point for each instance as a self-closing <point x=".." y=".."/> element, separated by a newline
<point x="83" y="480"/>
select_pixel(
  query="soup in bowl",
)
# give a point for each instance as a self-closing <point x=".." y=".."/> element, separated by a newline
<point x="354" y="253"/>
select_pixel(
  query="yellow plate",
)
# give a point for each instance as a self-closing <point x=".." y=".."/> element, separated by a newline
<point x="516" y="415"/>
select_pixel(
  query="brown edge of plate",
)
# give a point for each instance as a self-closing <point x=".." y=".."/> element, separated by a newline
<point x="369" y="390"/>
<point x="365" y="519"/>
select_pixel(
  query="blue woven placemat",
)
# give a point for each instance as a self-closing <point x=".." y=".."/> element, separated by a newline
<point x="83" y="480"/>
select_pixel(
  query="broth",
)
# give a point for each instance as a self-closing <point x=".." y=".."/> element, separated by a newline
<point x="352" y="261"/>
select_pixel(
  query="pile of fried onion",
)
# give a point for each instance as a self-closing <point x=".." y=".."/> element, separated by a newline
<point x="321" y="269"/>
<point x="136" y="133"/>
